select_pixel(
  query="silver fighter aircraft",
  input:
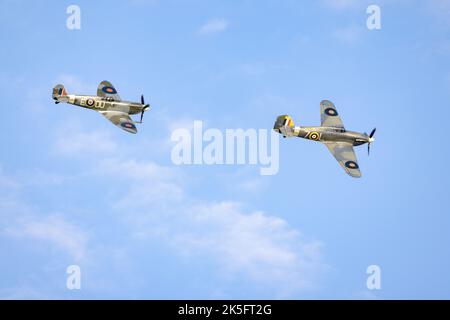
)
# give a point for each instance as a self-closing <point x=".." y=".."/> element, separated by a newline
<point x="332" y="133"/>
<point x="107" y="102"/>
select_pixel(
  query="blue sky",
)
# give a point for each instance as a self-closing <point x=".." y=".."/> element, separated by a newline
<point x="76" y="190"/>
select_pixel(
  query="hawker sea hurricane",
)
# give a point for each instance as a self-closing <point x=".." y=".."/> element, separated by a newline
<point x="332" y="133"/>
<point x="107" y="102"/>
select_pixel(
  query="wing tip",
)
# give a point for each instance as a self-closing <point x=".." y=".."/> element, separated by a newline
<point x="356" y="174"/>
<point x="130" y="131"/>
<point x="129" y="127"/>
<point x="326" y="102"/>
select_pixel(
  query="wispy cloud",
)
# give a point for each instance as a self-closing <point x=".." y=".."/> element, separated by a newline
<point x="440" y="10"/>
<point x="22" y="222"/>
<point x="213" y="26"/>
<point x="348" y="35"/>
<point x="340" y="4"/>
<point x="73" y="142"/>
<point x="19" y="220"/>
<point x="53" y="229"/>
<point x="75" y="85"/>
<point x="365" y="295"/>
<point x="7" y="182"/>
<point x="254" y="244"/>
<point x="22" y="292"/>
<point x="252" y="185"/>
<point x="146" y="182"/>
<point x="155" y="205"/>
<point x="259" y="246"/>
<point x="355" y="6"/>
<point x="440" y="6"/>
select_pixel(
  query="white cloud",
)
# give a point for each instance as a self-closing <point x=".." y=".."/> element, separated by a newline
<point x="6" y="182"/>
<point x="213" y="26"/>
<point x="253" y="244"/>
<point x="146" y="182"/>
<point x="153" y="201"/>
<point x="20" y="220"/>
<point x="138" y="171"/>
<point x="365" y="295"/>
<point x="253" y="185"/>
<point x="348" y="35"/>
<point x="74" y="85"/>
<point x="53" y="229"/>
<point x="22" y="293"/>
<point x="440" y="10"/>
<point x="175" y="124"/>
<point x="355" y="6"/>
<point x="341" y="4"/>
<point x="72" y="142"/>
<point x="41" y="178"/>
<point x="440" y="6"/>
<point x="261" y="247"/>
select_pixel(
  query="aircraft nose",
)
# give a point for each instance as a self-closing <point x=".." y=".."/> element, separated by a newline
<point x="371" y="140"/>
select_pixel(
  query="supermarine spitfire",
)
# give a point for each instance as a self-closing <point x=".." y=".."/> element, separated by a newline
<point x="332" y="133"/>
<point x="107" y="102"/>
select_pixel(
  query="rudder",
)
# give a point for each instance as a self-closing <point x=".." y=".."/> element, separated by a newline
<point x="284" y="125"/>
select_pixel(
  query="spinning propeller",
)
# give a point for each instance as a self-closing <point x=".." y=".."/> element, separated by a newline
<point x="371" y="140"/>
<point x="146" y="106"/>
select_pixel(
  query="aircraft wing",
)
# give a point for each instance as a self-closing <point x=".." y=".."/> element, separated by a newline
<point x="345" y="155"/>
<point x="107" y="90"/>
<point x="121" y="120"/>
<point x="329" y="117"/>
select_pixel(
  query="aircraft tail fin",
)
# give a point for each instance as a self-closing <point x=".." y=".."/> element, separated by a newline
<point x="284" y="125"/>
<point x="59" y="94"/>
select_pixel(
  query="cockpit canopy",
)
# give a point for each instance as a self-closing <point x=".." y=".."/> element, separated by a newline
<point x="108" y="98"/>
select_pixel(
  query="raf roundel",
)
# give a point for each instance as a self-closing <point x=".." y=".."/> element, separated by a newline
<point x="314" y="136"/>
<point x="128" y="125"/>
<point x="330" y="112"/>
<point x="90" y="102"/>
<point x="351" y="165"/>
<point x="109" y="90"/>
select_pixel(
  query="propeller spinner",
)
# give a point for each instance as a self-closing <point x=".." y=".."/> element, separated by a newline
<point x="371" y="139"/>
<point x="146" y="106"/>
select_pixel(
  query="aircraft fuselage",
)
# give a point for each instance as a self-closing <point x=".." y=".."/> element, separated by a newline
<point x="330" y="134"/>
<point x="104" y="104"/>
